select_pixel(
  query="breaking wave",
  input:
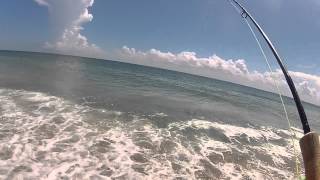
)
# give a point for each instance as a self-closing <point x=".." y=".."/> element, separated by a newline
<point x="48" y="137"/>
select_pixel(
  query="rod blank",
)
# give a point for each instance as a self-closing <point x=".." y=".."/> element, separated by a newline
<point x="302" y="114"/>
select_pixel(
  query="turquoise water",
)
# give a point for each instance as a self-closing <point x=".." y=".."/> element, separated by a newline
<point x="72" y="117"/>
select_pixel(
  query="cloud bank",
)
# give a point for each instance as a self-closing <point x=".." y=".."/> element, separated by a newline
<point x="229" y="70"/>
<point x="68" y="17"/>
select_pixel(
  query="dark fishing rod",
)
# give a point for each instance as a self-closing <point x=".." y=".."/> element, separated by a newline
<point x="302" y="114"/>
<point x="309" y="143"/>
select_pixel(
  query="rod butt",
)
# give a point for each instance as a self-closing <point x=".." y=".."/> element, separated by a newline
<point x="310" y="148"/>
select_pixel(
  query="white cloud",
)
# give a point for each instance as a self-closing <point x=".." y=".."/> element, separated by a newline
<point x="42" y="2"/>
<point x="229" y="70"/>
<point x="67" y="17"/>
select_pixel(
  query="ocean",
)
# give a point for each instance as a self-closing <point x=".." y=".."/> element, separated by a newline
<point x="67" y="117"/>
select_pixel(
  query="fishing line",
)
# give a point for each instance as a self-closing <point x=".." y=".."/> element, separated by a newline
<point x="292" y="133"/>
<point x="281" y="98"/>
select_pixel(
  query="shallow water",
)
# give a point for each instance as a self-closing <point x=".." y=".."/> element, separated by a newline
<point x="65" y="117"/>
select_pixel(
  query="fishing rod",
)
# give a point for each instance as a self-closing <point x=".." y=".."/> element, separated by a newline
<point x="309" y="143"/>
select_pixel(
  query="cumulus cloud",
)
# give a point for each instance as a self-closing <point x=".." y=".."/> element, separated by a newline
<point x="42" y="2"/>
<point x="229" y="70"/>
<point x="68" y="17"/>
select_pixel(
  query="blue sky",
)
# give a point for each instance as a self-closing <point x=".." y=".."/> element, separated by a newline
<point x="205" y="27"/>
<point x="184" y="33"/>
<point x="210" y="26"/>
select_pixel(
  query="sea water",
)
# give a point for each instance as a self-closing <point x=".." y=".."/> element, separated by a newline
<point x="66" y="117"/>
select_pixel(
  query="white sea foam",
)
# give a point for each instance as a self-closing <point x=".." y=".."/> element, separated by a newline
<point x="268" y="154"/>
<point x="47" y="137"/>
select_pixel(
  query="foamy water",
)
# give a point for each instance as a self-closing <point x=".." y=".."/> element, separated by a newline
<point x="48" y="137"/>
<point x="64" y="117"/>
